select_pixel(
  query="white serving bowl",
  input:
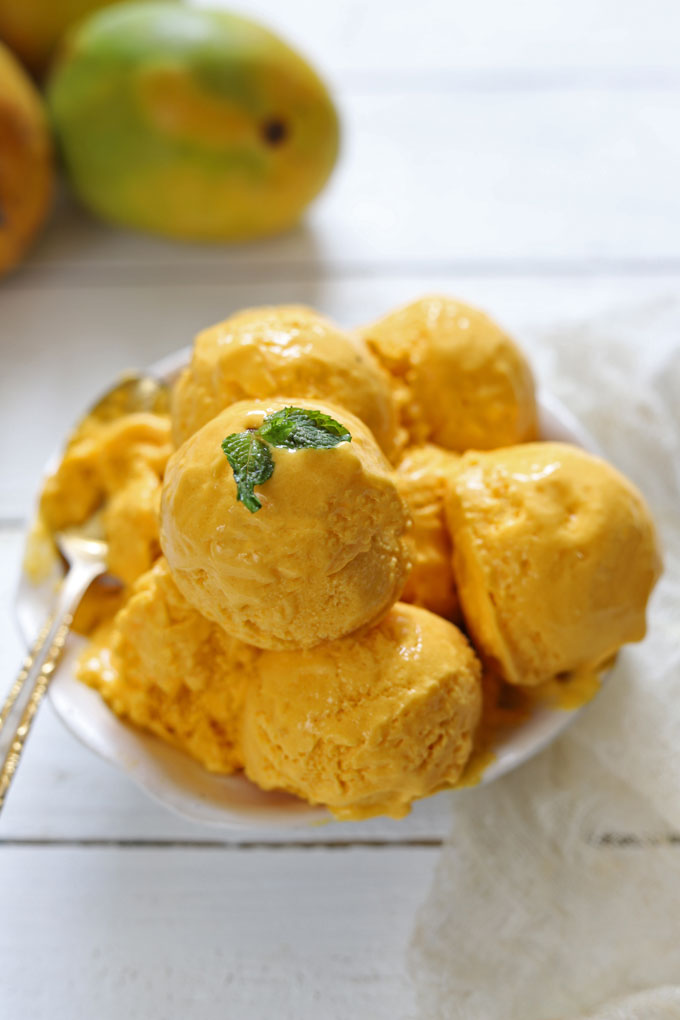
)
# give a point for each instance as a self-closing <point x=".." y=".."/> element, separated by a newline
<point x="179" y="782"/>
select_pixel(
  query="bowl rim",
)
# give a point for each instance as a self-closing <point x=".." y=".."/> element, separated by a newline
<point x="174" y="779"/>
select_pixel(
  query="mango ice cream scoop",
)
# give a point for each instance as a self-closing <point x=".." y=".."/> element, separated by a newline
<point x="367" y="723"/>
<point x="422" y="478"/>
<point x="164" y="667"/>
<point x="286" y="351"/>
<point x="323" y="555"/>
<point x="459" y="381"/>
<point x="555" y="557"/>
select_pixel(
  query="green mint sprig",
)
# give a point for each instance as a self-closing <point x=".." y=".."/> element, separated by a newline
<point x="297" y="428"/>
<point x="294" y="428"/>
<point x="252" y="463"/>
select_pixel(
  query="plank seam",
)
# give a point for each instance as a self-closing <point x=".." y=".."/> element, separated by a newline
<point x="141" y="275"/>
<point x="179" y="844"/>
<point x="614" y="839"/>
<point x="365" y="81"/>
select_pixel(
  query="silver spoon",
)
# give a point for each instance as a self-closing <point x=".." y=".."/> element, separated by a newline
<point x="85" y="553"/>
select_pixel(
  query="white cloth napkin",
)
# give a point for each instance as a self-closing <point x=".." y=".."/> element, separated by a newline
<point x="557" y="896"/>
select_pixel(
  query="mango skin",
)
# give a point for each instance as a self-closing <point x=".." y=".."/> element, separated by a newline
<point x="190" y="123"/>
<point x="32" y="28"/>
<point x="26" y="173"/>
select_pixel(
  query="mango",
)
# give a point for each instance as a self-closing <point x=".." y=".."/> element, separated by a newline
<point x="26" y="175"/>
<point x="32" y="28"/>
<point x="191" y="123"/>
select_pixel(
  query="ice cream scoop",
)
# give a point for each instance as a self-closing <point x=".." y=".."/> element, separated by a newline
<point x="164" y="667"/>
<point x="113" y="464"/>
<point x="286" y="351"/>
<point x="459" y="380"/>
<point x="555" y="557"/>
<point x="422" y="478"/>
<point x="323" y="555"/>
<point x="369" y="722"/>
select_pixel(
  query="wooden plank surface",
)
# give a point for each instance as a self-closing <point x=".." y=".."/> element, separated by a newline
<point x="149" y="934"/>
<point x="396" y="37"/>
<point x="506" y="176"/>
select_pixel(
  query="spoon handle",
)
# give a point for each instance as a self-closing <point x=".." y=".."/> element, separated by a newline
<point x="33" y="680"/>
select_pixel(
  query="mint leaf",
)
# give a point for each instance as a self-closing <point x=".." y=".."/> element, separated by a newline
<point x="297" y="428"/>
<point x="251" y="462"/>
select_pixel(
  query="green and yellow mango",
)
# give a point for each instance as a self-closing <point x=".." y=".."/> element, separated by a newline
<point x="191" y="123"/>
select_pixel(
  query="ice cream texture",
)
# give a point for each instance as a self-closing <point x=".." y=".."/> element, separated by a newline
<point x="306" y="631"/>
<point x="167" y="669"/>
<point x="323" y="556"/>
<point x="285" y="351"/>
<point x="114" y="468"/>
<point x="555" y="557"/>
<point x="367" y="723"/>
<point x="459" y="381"/>
<point x="422" y="478"/>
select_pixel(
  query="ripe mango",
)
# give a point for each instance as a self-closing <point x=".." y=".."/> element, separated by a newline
<point x="32" y="28"/>
<point x="191" y="123"/>
<point x="26" y="175"/>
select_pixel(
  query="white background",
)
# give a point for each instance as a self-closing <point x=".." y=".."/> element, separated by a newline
<point x="523" y="156"/>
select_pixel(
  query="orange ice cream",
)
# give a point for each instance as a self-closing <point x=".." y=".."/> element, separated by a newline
<point x="286" y="351"/>
<point x="258" y="626"/>
<point x="164" y="667"/>
<point x="323" y="556"/>
<point x="368" y="723"/>
<point x="115" y="468"/>
<point x="459" y="380"/>
<point x="422" y="478"/>
<point x="555" y="557"/>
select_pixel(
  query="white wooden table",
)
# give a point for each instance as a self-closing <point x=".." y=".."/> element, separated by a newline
<point x="523" y="156"/>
